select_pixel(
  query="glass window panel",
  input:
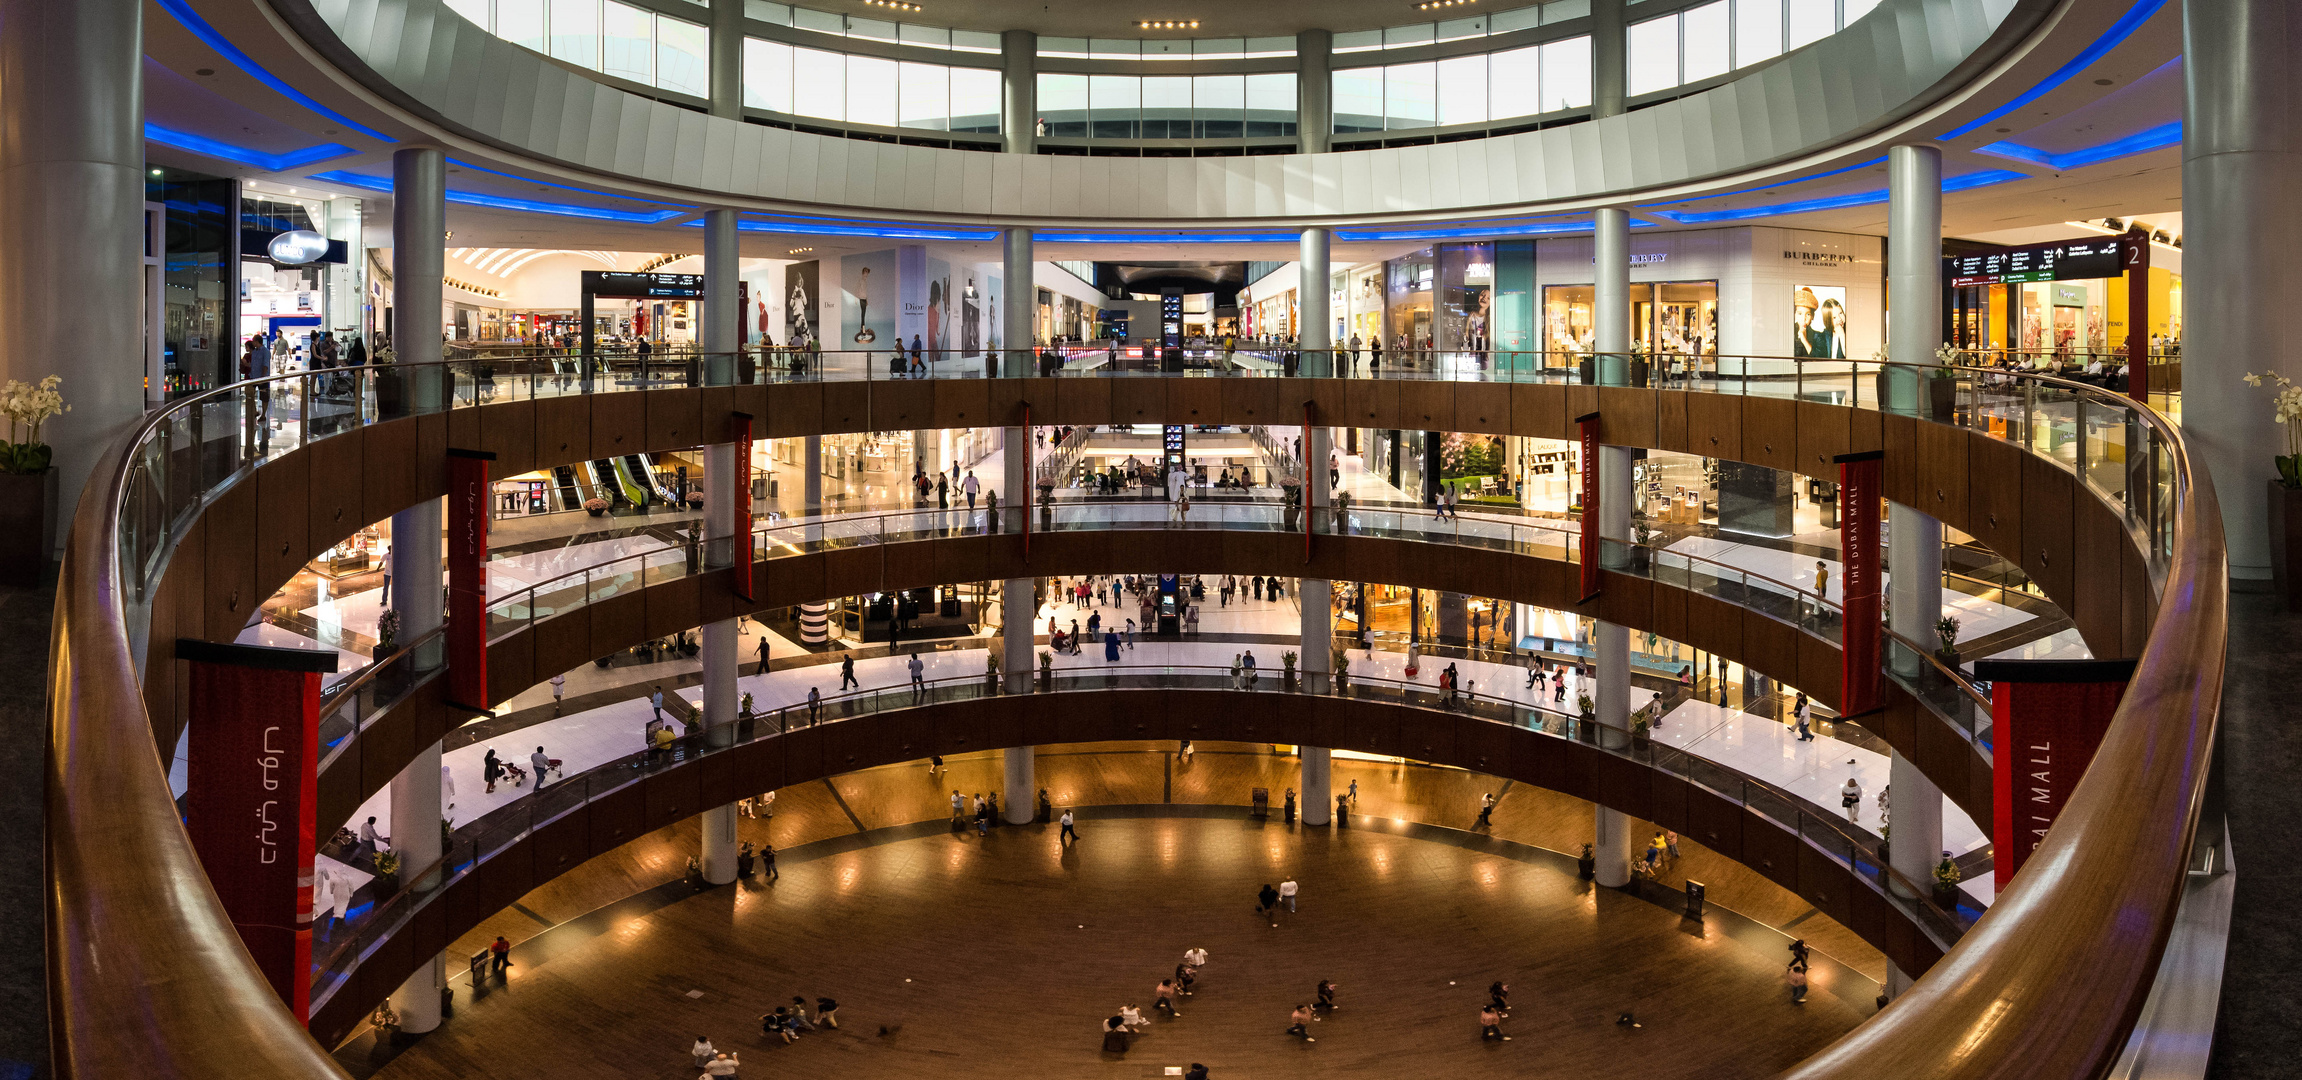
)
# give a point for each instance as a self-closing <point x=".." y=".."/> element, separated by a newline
<point x="1652" y="55"/>
<point x="1567" y="74"/>
<point x="1115" y="104"/>
<point x="521" y="22"/>
<point x="1167" y="107"/>
<point x="1218" y="46"/>
<point x="1409" y="91"/>
<point x="1358" y="99"/>
<point x="766" y="75"/>
<point x="1170" y="49"/>
<point x="1114" y="48"/>
<point x="1562" y="10"/>
<point x="1503" y="22"/>
<point x="982" y="41"/>
<point x="871" y="29"/>
<point x="1271" y="104"/>
<point x="1219" y="106"/>
<point x="1704" y="32"/>
<point x="923" y="98"/>
<point x="822" y="22"/>
<point x="1757" y="31"/>
<point x="819" y="83"/>
<point x="1063" y="104"/>
<point x="975" y="104"/>
<point x="575" y="32"/>
<point x="627" y="47"/>
<point x="871" y="91"/>
<point x="1850" y="10"/>
<point x="474" y="10"/>
<point x="1513" y="88"/>
<point x="771" y="13"/>
<point x="934" y="37"/>
<point x="1810" y="21"/>
<point x="1458" y="29"/>
<point x="1270" y="46"/>
<point x="1415" y="34"/>
<point x="1463" y="90"/>
<point x="1358" y="40"/>
<point x="682" y="56"/>
<point x="1062" y="46"/>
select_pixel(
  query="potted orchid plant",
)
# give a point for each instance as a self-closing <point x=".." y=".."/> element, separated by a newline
<point x="28" y="484"/>
<point x="2285" y="491"/>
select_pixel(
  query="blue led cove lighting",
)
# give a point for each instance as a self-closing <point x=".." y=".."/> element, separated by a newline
<point x="201" y="144"/>
<point x="498" y="202"/>
<point x="879" y="230"/>
<point x="2157" y="138"/>
<point x="224" y="47"/>
<point x="2112" y="38"/>
<point x="1968" y="182"/>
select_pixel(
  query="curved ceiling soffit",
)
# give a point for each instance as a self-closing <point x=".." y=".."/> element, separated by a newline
<point x="1848" y="94"/>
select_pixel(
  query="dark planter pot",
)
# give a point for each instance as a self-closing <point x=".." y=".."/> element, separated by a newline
<point x="1945" y="896"/>
<point x="1640" y="743"/>
<point x="391" y="394"/>
<point x="27" y="525"/>
<point x="1587" y="868"/>
<point x="601" y="512"/>
<point x="1942" y="399"/>
<point x="2286" y="543"/>
<point x="391" y="681"/>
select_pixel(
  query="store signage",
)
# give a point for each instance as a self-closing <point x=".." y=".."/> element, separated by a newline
<point x="1173" y="446"/>
<point x="251" y="796"/>
<point x="1860" y="592"/>
<point x="2048" y="717"/>
<point x="741" y="425"/>
<point x="616" y="283"/>
<point x="1171" y="319"/>
<point x="2069" y="260"/>
<point x="297" y="247"/>
<point x="1820" y="259"/>
<point x="2069" y="296"/>
<point x="1590" y="555"/>
<point x="1655" y="258"/>
<point x="468" y="578"/>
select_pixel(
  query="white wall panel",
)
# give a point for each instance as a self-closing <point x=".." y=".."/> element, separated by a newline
<point x="1063" y="196"/>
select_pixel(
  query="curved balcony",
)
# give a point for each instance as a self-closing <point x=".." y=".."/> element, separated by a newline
<point x="2001" y="1003"/>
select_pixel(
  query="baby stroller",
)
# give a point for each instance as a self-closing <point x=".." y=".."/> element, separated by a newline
<point x="518" y="776"/>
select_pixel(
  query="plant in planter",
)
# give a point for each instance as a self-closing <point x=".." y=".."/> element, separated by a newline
<point x="1946" y="640"/>
<point x="1586" y="864"/>
<point x="595" y="506"/>
<point x="1288" y="659"/>
<point x="1047" y="671"/>
<point x="388" y="869"/>
<point x="28" y="496"/>
<point x="743" y="713"/>
<point x="991" y="669"/>
<point x="1588" y="708"/>
<point x="2285" y="492"/>
<point x="1639" y="732"/>
<point x="1946" y="879"/>
<point x="1342" y="669"/>
<point x="695" y="500"/>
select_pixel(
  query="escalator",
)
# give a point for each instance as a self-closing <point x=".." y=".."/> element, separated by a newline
<point x="614" y="488"/>
<point x="640" y="469"/>
<point x="570" y="491"/>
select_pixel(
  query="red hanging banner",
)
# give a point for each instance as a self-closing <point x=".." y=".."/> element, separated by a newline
<point x="1590" y="557"/>
<point x="251" y="792"/>
<point x="740" y="427"/>
<point x="2047" y="719"/>
<point x="467" y="632"/>
<point x="2134" y="254"/>
<point x="1860" y="582"/>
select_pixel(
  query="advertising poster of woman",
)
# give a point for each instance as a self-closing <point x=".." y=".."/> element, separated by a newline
<point x="801" y="280"/>
<point x="1819" y="322"/>
<point x="970" y="321"/>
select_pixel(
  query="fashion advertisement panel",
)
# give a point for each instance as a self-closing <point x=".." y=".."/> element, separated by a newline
<point x="802" y="285"/>
<point x="1819" y="323"/>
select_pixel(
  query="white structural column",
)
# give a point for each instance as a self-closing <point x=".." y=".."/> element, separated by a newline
<point x="1914" y="293"/>
<point x="2242" y="165"/>
<point x="726" y="63"/>
<point x="1610" y="643"/>
<point x="1915" y="816"/>
<point x="1019" y="66"/>
<point x="419" y="243"/>
<point x="1313" y="297"/>
<point x="72" y="225"/>
<point x="1314" y="90"/>
<point x="1316" y="595"/>
<point x="1018" y="302"/>
<point x="1318" y="784"/>
<point x="722" y="469"/>
<point x="1022" y="775"/>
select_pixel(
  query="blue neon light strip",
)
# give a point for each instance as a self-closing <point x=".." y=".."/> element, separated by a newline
<point x="200" y="144"/>
<point x="498" y="202"/>
<point x="2157" y="138"/>
<point x="224" y="47"/>
<point x="2112" y="38"/>
<point x="1271" y="237"/>
<point x="882" y="230"/>
<point x="1968" y="182"/>
<point x="1776" y="184"/>
<point x="460" y="163"/>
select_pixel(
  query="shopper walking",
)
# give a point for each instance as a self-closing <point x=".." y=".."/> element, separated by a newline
<point x="702" y="1052"/>
<point x="958" y="808"/>
<point x="814" y="705"/>
<point x="1069" y="831"/>
<point x="1287" y="890"/>
<point x="559" y="691"/>
<point x="1499" y="997"/>
<point x="1850" y="797"/>
<point x="1326" y="1000"/>
<point x="847" y="678"/>
<point x="1486" y="811"/>
<point x="767" y="868"/>
<point x="541" y="764"/>
<point x="763" y="650"/>
<point x="1163" y="997"/>
<point x="1301" y="1026"/>
<point x="1491" y="1025"/>
<point x="1804" y="712"/>
<point x="1266" y="902"/>
<point x="1795" y="975"/>
<point x="918" y="677"/>
<point x="655" y="701"/>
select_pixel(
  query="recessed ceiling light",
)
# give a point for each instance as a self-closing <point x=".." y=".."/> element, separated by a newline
<point x="204" y="72"/>
<point x="1428" y="5"/>
<point x="2102" y="82"/>
<point x="1167" y="24"/>
<point x="155" y="172"/>
<point x="892" y="5"/>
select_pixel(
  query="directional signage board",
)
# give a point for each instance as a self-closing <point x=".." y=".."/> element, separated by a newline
<point x="2070" y="260"/>
<point x="614" y="283"/>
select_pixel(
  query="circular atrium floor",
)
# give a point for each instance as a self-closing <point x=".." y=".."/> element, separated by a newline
<point x="958" y="956"/>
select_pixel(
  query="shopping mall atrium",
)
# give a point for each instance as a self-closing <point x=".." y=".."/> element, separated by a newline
<point x="1485" y="538"/>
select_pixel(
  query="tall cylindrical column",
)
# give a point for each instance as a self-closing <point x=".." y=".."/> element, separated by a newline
<point x="2242" y="158"/>
<point x="1314" y="90"/>
<point x="419" y="262"/>
<point x="1022" y="787"/>
<point x="1019" y="73"/>
<point x="418" y="587"/>
<point x="1016" y="333"/>
<point x="1317" y="594"/>
<point x="72" y="224"/>
<point x="1018" y="629"/>
<point x="1913" y="580"/>
<point x="811" y="485"/>
<point x="1611" y="296"/>
<point x="1609" y="71"/>
<point x="727" y="60"/>
<point x="1312" y="293"/>
<point x="415" y="825"/>
<point x="1913" y="272"/>
<point x="1916" y="808"/>
<point x="722" y="292"/>
<point x="1318" y="784"/>
<point x="418" y="999"/>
